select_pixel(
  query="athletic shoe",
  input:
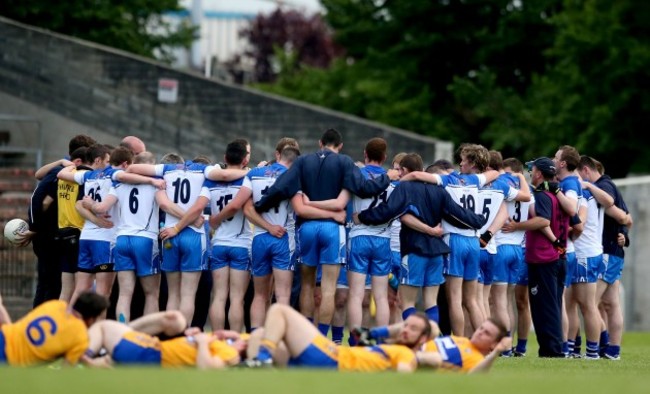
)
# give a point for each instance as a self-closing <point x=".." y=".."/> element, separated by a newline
<point x="257" y="363"/>
<point x="590" y="357"/>
<point x="515" y="353"/>
<point x="612" y="357"/>
<point x="575" y="355"/>
<point x="507" y="353"/>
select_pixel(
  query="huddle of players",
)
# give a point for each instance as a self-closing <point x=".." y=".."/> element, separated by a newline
<point x="374" y="248"/>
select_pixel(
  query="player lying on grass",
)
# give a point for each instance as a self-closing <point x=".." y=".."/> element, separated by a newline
<point x="50" y="331"/>
<point x="286" y="330"/>
<point x="475" y="354"/>
<point x="134" y="344"/>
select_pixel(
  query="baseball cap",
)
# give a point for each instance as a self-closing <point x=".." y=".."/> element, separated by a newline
<point x="544" y="164"/>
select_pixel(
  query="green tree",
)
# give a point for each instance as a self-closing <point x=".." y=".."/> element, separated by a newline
<point x="593" y="93"/>
<point x="133" y="25"/>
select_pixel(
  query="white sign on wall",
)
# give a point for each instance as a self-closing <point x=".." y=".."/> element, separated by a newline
<point x="167" y="91"/>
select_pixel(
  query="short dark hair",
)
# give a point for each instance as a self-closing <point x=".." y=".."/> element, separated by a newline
<point x="586" y="161"/>
<point x="412" y="162"/>
<point x="236" y="152"/>
<point x="495" y="160"/>
<point x="79" y="153"/>
<point x="121" y="155"/>
<point x="96" y="151"/>
<point x="79" y="141"/>
<point x="289" y="154"/>
<point x="331" y="137"/>
<point x="515" y="164"/>
<point x="571" y="156"/>
<point x="376" y="149"/>
<point x="90" y="305"/>
<point x="440" y="165"/>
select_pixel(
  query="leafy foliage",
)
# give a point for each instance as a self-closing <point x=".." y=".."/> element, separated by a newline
<point x="521" y="76"/>
<point x="133" y="25"/>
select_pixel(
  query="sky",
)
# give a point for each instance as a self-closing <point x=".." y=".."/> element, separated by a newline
<point x="254" y="6"/>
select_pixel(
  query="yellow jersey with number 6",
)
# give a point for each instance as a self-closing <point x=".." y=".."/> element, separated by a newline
<point x="48" y="332"/>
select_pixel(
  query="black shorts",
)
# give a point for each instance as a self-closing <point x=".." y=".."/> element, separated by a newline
<point x="67" y="240"/>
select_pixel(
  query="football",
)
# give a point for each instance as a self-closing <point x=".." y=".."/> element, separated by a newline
<point x="15" y="227"/>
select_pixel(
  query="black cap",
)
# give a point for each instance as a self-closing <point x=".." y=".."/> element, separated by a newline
<point x="543" y="164"/>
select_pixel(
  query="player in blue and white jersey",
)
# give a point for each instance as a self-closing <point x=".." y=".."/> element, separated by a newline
<point x="616" y="224"/>
<point x="230" y="260"/>
<point x="321" y="176"/>
<point x="183" y="254"/>
<point x="589" y="256"/>
<point x="566" y="161"/>
<point x="274" y="238"/>
<point x="499" y="266"/>
<point x="510" y="254"/>
<point x="462" y="264"/>
<point x="369" y="250"/>
<point x="136" y="251"/>
<point x="95" y="242"/>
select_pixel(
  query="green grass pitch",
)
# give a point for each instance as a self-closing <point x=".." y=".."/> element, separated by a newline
<point x="527" y="375"/>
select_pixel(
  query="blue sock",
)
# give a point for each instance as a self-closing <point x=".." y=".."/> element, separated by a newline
<point x="565" y="347"/>
<point x="408" y="312"/>
<point x="433" y="314"/>
<point x="521" y="345"/>
<point x="337" y="334"/>
<point x="324" y="328"/>
<point x="571" y="344"/>
<point x="264" y="353"/>
<point x="592" y="349"/>
<point x="613" y="350"/>
<point x="379" y="332"/>
<point x="604" y="338"/>
<point x="577" y="349"/>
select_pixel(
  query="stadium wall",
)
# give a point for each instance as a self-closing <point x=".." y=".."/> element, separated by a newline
<point x="116" y="93"/>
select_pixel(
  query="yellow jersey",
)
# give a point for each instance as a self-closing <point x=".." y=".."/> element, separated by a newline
<point x="375" y="358"/>
<point x="67" y="193"/>
<point x="180" y="352"/>
<point x="45" y="334"/>
<point x="457" y="353"/>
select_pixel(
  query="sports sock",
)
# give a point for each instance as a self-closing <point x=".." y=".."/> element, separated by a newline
<point x="565" y="347"/>
<point x="408" y="312"/>
<point x="337" y="334"/>
<point x="613" y="351"/>
<point x="571" y="344"/>
<point x="266" y="349"/>
<point x="592" y="349"/>
<point x="433" y="314"/>
<point x="324" y="328"/>
<point x="577" y="349"/>
<point x="604" y="341"/>
<point x="521" y="345"/>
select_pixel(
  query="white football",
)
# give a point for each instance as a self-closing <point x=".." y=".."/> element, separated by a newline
<point x="13" y="228"/>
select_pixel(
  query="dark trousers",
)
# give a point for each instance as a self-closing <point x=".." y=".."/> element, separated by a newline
<point x="48" y="282"/>
<point x="545" y="288"/>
